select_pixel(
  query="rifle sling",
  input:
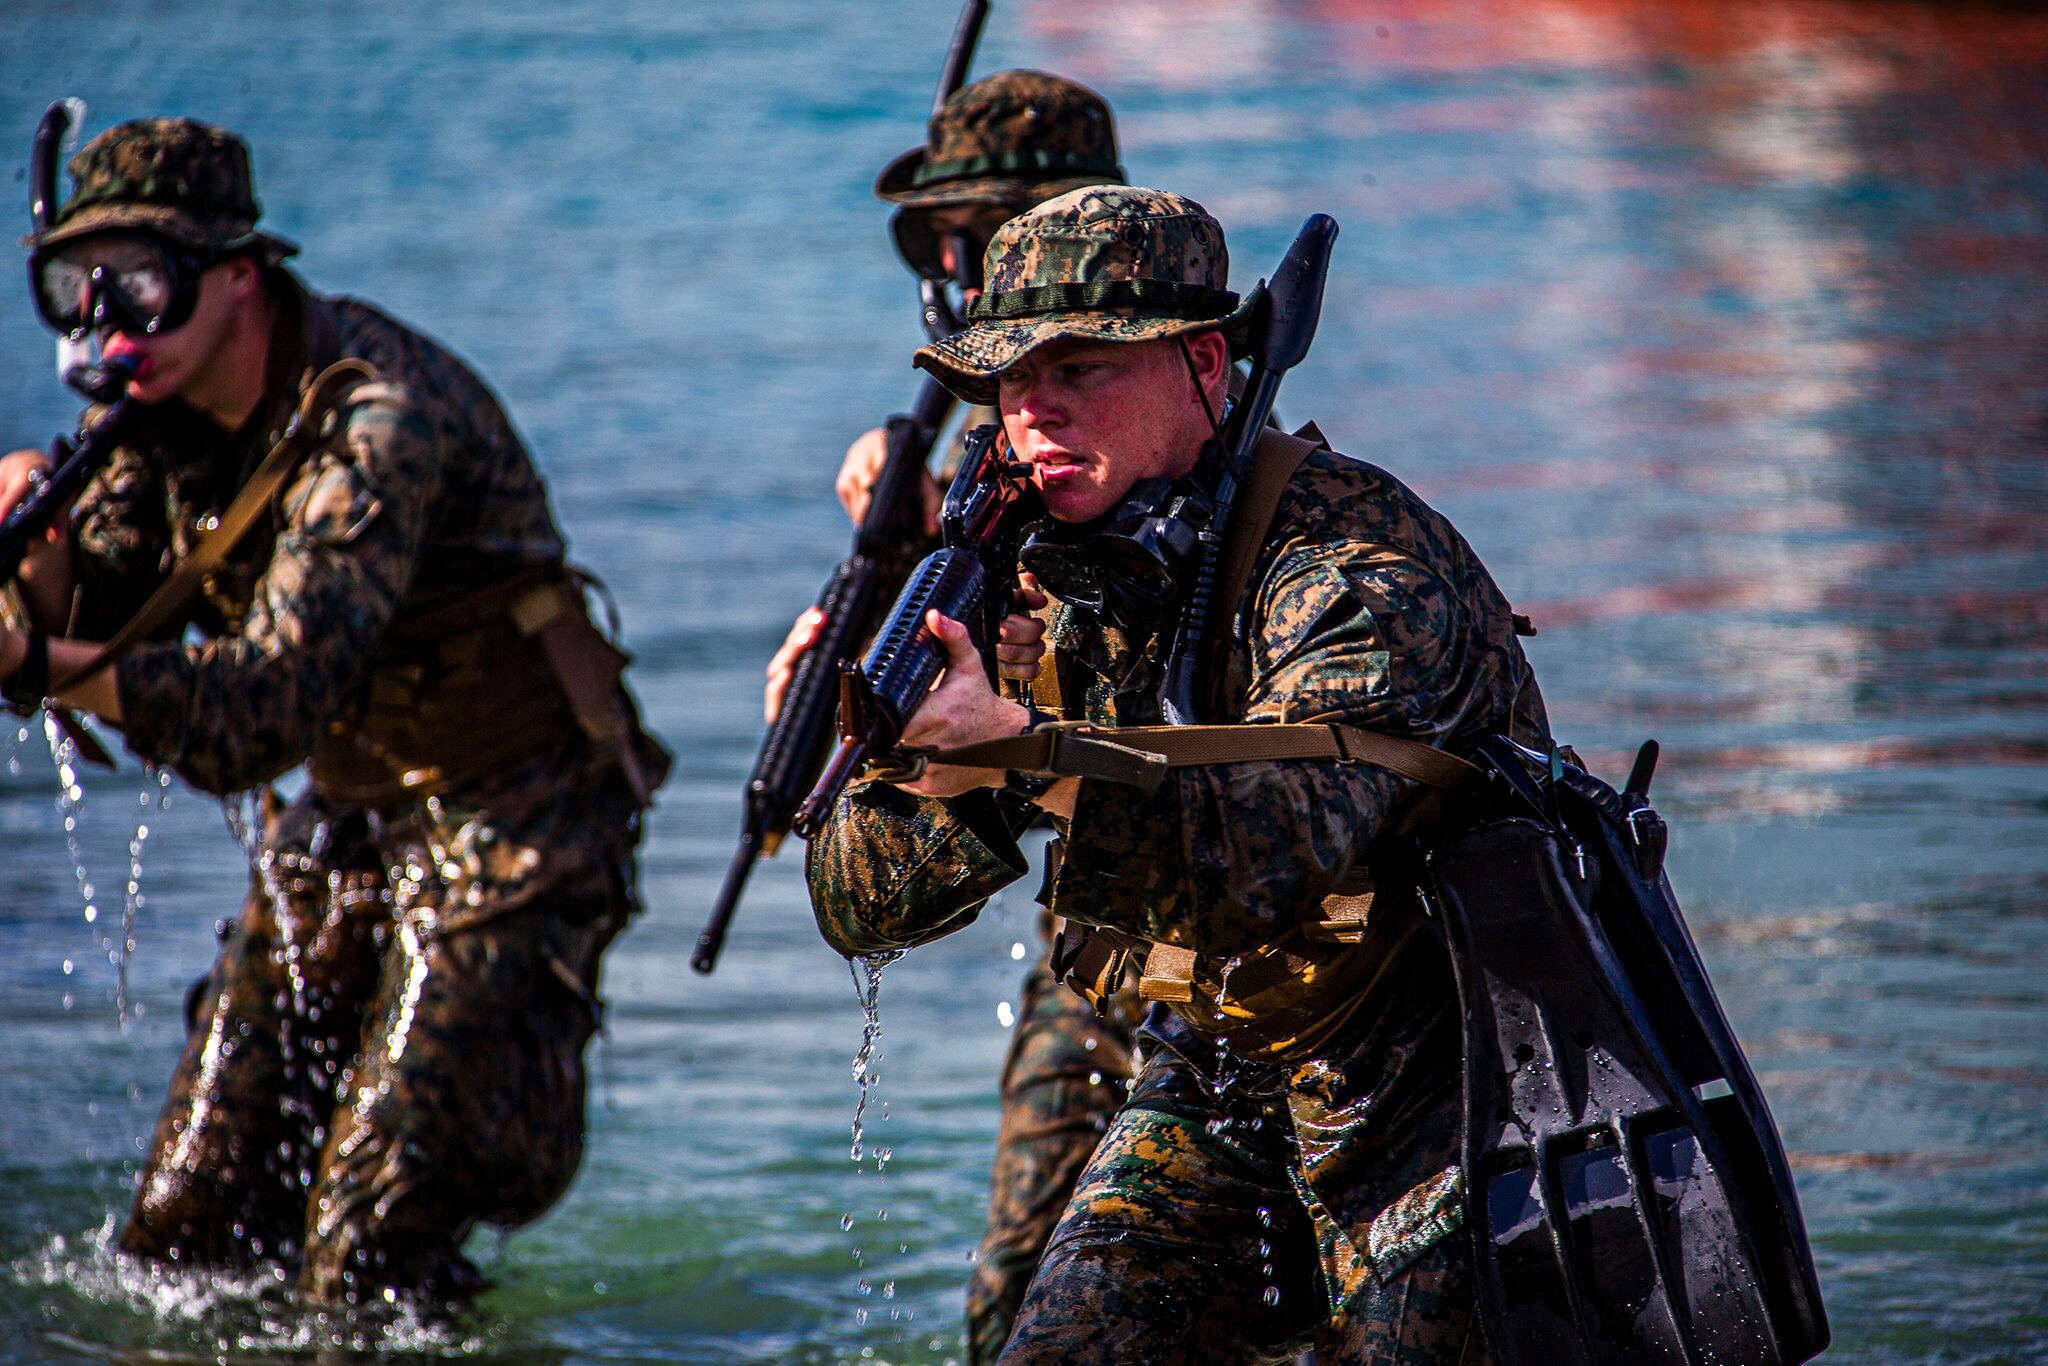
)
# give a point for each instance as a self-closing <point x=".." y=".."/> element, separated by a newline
<point x="1140" y="755"/>
<point x="1274" y="462"/>
<point x="175" y="594"/>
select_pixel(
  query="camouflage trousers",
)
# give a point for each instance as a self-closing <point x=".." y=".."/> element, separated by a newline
<point x="1192" y="1239"/>
<point x="360" y="1087"/>
<point x="1064" y="1078"/>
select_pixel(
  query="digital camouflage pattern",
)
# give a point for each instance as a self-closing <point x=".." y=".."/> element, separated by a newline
<point x="1012" y="138"/>
<point x="1365" y="607"/>
<point x="1062" y="1081"/>
<point x="426" y="1073"/>
<point x="186" y="180"/>
<point x="1161" y="250"/>
<point x="316" y="1119"/>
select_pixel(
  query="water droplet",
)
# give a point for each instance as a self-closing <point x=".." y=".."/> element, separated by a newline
<point x="1272" y="1295"/>
<point x="1017" y="951"/>
<point x="1006" y="1015"/>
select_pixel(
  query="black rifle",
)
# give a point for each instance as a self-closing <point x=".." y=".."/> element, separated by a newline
<point x="885" y="546"/>
<point x="1283" y="323"/>
<point x="989" y="505"/>
<point x="83" y="455"/>
<point x="77" y="460"/>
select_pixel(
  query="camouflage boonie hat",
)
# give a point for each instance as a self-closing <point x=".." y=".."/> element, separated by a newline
<point x="1106" y="263"/>
<point x="1013" y="138"/>
<point x="185" y="180"/>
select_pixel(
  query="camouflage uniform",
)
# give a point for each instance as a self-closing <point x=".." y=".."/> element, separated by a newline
<point x="1283" y="1172"/>
<point x="389" y="1047"/>
<point x="1012" y="140"/>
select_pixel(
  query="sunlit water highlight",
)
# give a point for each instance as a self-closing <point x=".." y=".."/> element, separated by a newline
<point x="1717" y="329"/>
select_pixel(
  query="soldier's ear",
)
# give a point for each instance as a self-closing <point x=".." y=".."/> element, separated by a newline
<point x="1209" y="354"/>
<point x="244" y="276"/>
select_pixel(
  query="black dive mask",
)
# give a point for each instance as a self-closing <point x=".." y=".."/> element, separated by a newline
<point x="1129" y="566"/>
<point x="918" y="244"/>
<point x="125" y="281"/>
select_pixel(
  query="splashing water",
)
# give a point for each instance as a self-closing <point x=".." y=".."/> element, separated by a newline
<point x="254" y="1311"/>
<point x="243" y="812"/>
<point x="133" y="900"/>
<point x="867" y="981"/>
<point x="71" y="806"/>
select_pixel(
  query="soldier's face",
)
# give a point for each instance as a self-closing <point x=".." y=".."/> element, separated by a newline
<point x="178" y="361"/>
<point x="1094" y="418"/>
<point x="978" y="221"/>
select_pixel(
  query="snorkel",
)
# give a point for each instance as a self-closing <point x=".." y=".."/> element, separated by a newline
<point x="79" y="363"/>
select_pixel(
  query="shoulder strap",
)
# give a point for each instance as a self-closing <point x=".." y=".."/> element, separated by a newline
<point x="242" y="515"/>
<point x="1140" y="755"/>
<point x="1273" y="465"/>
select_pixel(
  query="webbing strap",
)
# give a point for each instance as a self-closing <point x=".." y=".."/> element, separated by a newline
<point x="1139" y="755"/>
<point x="1169" y="974"/>
<point x="248" y="507"/>
<point x="1274" y="463"/>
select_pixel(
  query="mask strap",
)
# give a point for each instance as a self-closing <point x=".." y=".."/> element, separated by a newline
<point x="1188" y="357"/>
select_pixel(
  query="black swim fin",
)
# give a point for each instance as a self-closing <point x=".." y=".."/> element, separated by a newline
<point x="1625" y="1187"/>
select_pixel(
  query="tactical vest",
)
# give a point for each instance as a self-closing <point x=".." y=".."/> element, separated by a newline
<point x="1286" y="999"/>
<point x="458" y="686"/>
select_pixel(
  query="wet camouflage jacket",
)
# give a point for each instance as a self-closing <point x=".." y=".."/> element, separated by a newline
<point x="1366" y="607"/>
<point x="424" y="491"/>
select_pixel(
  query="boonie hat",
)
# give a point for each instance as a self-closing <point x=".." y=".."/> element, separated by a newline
<point x="1105" y="263"/>
<point x="1012" y="138"/>
<point x="185" y="180"/>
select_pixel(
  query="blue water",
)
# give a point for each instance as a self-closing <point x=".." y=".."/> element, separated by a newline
<point x="1718" y="329"/>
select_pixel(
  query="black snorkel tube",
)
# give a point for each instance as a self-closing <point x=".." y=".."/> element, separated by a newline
<point x="42" y="165"/>
<point x="941" y="319"/>
<point x="102" y="382"/>
<point x="78" y="459"/>
<point x="1283" y="323"/>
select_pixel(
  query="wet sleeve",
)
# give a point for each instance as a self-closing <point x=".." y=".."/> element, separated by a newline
<point x="1226" y="857"/>
<point x="246" y="707"/>
<point x="892" y="870"/>
<point x="118" y="540"/>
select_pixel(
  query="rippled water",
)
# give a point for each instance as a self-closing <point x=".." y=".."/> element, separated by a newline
<point x="1719" y="330"/>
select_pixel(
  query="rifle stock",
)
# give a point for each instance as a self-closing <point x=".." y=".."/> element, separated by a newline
<point x="1284" y="324"/>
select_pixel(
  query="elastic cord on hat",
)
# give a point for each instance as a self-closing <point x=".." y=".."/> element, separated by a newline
<point x="1177" y="298"/>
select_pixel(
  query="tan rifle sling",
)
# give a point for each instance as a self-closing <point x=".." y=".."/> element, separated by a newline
<point x="1141" y="755"/>
<point x="168" y="603"/>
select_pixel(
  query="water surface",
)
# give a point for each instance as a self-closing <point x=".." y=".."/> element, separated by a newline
<point x="1718" y="329"/>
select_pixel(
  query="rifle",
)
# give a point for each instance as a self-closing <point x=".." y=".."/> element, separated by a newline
<point x="990" y="503"/>
<point x="885" y="546"/>
<point x="78" y="459"/>
<point x="1282" y="326"/>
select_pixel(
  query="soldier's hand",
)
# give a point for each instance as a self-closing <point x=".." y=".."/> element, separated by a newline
<point x="960" y="710"/>
<point x="19" y="472"/>
<point x="782" y="667"/>
<point x="863" y="466"/>
<point x="1021" y="643"/>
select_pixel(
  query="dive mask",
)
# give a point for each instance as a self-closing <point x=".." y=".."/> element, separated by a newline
<point x="127" y="281"/>
<point x="1129" y="566"/>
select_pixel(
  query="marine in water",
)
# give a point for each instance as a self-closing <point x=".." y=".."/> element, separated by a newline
<point x="389" y="1048"/>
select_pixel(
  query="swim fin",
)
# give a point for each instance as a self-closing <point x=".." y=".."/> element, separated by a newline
<point x="1625" y="1186"/>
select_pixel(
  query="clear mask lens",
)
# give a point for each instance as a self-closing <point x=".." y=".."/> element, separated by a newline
<point x="140" y="275"/>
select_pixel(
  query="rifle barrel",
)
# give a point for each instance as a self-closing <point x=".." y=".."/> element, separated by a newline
<point x="960" y="53"/>
<point x="713" y="938"/>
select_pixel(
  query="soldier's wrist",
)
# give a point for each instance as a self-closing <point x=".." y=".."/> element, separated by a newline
<point x="25" y="671"/>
